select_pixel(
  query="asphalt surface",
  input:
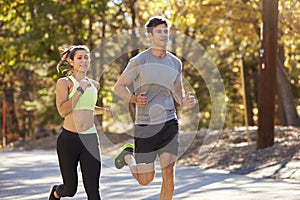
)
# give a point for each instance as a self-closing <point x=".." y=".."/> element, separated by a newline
<point x="28" y="176"/>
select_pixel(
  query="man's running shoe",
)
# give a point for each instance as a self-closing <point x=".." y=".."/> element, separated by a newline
<point x="119" y="157"/>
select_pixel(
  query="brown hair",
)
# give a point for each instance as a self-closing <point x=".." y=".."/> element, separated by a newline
<point x="155" y="21"/>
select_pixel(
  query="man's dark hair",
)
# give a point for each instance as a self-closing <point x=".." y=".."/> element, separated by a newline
<point x="155" y="21"/>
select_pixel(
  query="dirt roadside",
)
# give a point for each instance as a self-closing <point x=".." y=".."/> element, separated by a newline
<point x="231" y="152"/>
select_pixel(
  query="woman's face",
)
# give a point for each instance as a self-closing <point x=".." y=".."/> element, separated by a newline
<point x="81" y="61"/>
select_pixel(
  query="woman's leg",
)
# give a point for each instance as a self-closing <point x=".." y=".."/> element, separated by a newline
<point x="90" y="165"/>
<point x="68" y="156"/>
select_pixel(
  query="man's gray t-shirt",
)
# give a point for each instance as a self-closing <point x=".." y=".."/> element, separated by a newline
<point x="156" y="77"/>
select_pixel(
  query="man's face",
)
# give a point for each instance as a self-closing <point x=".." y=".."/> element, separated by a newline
<point x="159" y="36"/>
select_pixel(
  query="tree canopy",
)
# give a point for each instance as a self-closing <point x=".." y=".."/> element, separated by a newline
<point x="34" y="31"/>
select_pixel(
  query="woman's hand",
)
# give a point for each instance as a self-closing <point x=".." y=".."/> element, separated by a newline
<point x="189" y="100"/>
<point x="84" y="83"/>
<point x="103" y="110"/>
<point x="108" y="112"/>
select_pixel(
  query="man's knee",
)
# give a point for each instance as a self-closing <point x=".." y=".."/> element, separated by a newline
<point x="145" y="179"/>
<point x="145" y="173"/>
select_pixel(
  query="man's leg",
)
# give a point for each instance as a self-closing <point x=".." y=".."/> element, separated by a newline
<point x="143" y="173"/>
<point x="167" y="163"/>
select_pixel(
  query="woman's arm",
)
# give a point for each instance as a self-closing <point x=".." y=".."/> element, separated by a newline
<point x="63" y="104"/>
<point x="103" y="110"/>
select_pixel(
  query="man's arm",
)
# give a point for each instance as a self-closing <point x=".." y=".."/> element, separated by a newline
<point x="178" y="92"/>
<point x="182" y="98"/>
<point x="121" y="89"/>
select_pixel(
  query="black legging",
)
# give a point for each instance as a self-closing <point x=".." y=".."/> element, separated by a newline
<point x="74" y="147"/>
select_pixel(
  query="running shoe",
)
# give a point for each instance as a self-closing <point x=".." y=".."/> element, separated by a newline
<point x="51" y="196"/>
<point x="119" y="157"/>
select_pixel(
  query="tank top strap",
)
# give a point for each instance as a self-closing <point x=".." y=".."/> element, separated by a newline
<point x="72" y="78"/>
<point x="89" y="80"/>
<point x="75" y="85"/>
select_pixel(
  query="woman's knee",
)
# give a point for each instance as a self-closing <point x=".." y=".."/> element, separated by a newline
<point x="71" y="193"/>
<point x="67" y="191"/>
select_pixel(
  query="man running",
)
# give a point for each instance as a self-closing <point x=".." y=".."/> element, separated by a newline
<point x="157" y="80"/>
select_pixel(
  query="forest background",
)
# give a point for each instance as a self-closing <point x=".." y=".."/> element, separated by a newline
<point x="33" y="33"/>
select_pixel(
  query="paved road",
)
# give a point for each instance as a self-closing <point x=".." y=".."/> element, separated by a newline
<point x="28" y="175"/>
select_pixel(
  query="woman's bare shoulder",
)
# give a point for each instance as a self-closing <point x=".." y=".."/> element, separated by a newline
<point x="64" y="81"/>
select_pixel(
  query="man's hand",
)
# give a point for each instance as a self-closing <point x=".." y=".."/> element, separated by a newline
<point x="141" y="100"/>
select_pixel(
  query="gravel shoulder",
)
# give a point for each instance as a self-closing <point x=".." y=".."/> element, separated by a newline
<point x="232" y="152"/>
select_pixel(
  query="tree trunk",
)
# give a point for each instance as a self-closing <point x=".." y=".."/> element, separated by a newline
<point x="131" y="106"/>
<point x="248" y="93"/>
<point x="101" y="80"/>
<point x="266" y="102"/>
<point x="280" y="110"/>
<point x="9" y="95"/>
<point x="285" y="95"/>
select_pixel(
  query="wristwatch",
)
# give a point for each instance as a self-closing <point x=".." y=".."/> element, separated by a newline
<point x="80" y="89"/>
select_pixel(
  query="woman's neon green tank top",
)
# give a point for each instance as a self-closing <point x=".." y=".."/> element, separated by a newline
<point x="88" y="99"/>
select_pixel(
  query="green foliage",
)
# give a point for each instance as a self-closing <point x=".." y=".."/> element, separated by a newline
<point x="33" y="32"/>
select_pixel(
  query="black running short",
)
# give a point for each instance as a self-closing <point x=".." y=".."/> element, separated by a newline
<point x="153" y="140"/>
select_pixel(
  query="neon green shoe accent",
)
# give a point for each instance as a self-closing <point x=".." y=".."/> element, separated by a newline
<point x="119" y="157"/>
